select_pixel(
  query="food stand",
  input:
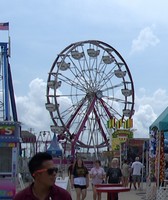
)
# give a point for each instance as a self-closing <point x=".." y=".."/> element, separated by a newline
<point x="158" y="130"/>
<point x="9" y="151"/>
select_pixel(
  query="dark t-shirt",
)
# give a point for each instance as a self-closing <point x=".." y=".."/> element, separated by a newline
<point x="114" y="175"/>
<point x="80" y="172"/>
<point x="55" y="194"/>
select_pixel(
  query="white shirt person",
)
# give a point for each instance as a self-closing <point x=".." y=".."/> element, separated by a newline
<point x="136" y="172"/>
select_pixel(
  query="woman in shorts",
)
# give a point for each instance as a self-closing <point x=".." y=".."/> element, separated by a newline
<point x="97" y="174"/>
<point x="125" y="173"/>
<point x="80" y="179"/>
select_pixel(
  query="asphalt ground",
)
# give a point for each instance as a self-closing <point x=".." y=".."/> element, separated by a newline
<point x="133" y="194"/>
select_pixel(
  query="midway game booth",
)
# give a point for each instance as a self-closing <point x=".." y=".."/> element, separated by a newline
<point x="9" y="153"/>
<point x="55" y="150"/>
<point x="158" y="162"/>
<point x="121" y="132"/>
<point x="125" y="146"/>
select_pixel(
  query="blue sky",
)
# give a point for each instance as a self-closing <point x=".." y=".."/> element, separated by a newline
<point x="40" y="29"/>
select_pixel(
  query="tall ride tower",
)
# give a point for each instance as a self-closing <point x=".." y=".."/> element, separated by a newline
<point x="9" y="125"/>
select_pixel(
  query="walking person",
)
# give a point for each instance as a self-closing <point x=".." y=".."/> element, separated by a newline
<point x="80" y="179"/>
<point x="70" y="169"/>
<point x="136" y="172"/>
<point x="43" y="171"/>
<point x="114" y="174"/>
<point x="97" y="174"/>
<point x="125" y="173"/>
<point x="130" y="176"/>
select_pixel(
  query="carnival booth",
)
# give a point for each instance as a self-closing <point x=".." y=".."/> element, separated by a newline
<point x="9" y="154"/>
<point x="56" y="152"/>
<point x="54" y="148"/>
<point x="157" y="152"/>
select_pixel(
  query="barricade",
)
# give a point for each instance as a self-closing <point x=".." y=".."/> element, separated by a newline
<point x="162" y="193"/>
<point x="151" y="191"/>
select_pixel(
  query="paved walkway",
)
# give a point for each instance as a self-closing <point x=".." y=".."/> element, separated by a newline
<point x="131" y="195"/>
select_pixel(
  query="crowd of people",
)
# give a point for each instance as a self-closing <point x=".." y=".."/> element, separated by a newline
<point x="43" y="172"/>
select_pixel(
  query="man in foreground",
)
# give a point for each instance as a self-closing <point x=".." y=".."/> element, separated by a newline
<point x="43" y="171"/>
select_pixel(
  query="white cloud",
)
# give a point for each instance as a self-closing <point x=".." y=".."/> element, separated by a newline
<point x="31" y="108"/>
<point x="145" y="39"/>
<point x="143" y="118"/>
<point x="147" y="108"/>
<point x="33" y="114"/>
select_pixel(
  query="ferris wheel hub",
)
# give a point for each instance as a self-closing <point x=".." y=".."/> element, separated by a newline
<point x="99" y="94"/>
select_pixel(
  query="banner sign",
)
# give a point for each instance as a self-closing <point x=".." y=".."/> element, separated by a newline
<point x="10" y="131"/>
<point x="113" y="123"/>
<point x="119" y="137"/>
<point x="7" y="130"/>
<point x="122" y="134"/>
<point x="116" y="153"/>
<point x="136" y="142"/>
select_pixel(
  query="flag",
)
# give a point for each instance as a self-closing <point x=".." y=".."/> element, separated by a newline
<point x="119" y="123"/>
<point x="4" y="26"/>
<point x="125" y="124"/>
<point x="128" y="123"/>
<point x="111" y="123"/>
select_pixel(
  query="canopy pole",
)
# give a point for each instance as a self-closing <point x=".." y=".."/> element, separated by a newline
<point x="158" y="164"/>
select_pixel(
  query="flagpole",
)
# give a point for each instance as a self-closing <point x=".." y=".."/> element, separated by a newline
<point x="9" y="46"/>
<point x="9" y="43"/>
<point x="120" y="156"/>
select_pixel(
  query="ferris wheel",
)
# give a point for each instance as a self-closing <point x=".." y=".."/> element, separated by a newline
<point x="88" y="84"/>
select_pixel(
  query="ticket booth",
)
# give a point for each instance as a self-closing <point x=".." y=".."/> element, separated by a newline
<point x="9" y="155"/>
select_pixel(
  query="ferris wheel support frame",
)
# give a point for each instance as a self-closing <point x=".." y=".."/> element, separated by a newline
<point x="82" y="125"/>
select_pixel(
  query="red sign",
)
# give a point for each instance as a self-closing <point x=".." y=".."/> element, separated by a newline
<point x="7" y="130"/>
<point x="136" y="142"/>
<point x="116" y="153"/>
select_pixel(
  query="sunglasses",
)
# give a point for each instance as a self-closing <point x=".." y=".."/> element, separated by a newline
<point x="50" y="171"/>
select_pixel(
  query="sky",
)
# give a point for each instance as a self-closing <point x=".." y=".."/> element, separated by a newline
<point x="41" y="29"/>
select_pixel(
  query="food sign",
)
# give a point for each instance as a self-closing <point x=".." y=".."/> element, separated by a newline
<point x="6" y="130"/>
